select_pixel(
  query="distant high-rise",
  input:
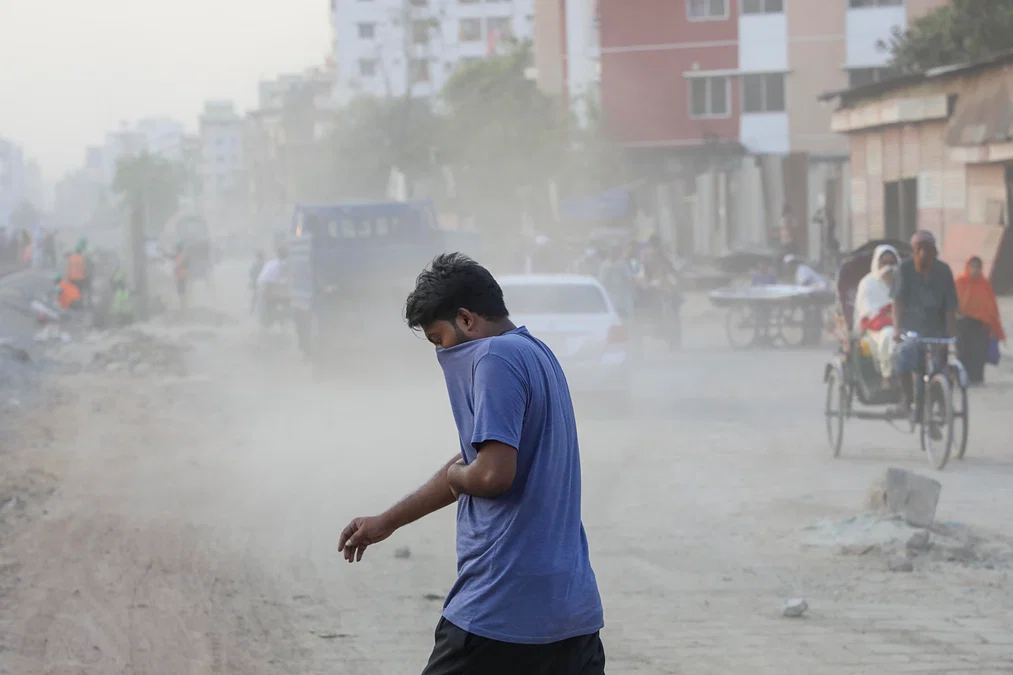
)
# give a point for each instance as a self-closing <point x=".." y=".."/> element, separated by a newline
<point x="387" y="48"/>
<point x="221" y="136"/>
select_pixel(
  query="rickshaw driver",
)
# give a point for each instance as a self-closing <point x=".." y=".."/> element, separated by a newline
<point x="924" y="302"/>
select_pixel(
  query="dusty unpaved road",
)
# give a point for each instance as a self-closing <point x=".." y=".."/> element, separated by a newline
<point x="165" y="524"/>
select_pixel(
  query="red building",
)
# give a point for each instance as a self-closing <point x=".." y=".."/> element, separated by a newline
<point x="647" y="49"/>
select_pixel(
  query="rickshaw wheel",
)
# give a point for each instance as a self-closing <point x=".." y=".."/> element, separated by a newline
<point x="961" y="417"/>
<point x="835" y="411"/>
<point x="937" y="410"/>
<point x="741" y="327"/>
<point x="791" y="326"/>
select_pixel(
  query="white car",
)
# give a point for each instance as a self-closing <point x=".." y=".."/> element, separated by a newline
<point x="574" y="316"/>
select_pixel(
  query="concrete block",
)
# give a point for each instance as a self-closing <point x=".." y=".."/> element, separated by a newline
<point x="911" y="496"/>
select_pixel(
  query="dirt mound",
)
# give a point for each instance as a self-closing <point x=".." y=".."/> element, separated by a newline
<point x="875" y="534"/>
<point x="132" y="351"/>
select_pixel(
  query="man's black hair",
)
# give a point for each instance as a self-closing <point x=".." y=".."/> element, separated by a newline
<point x="453" y="281"/>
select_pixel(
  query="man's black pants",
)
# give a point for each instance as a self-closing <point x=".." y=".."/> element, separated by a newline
<point x="458" y="652"/>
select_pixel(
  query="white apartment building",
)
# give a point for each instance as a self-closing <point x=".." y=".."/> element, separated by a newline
<point x="162" y="137"/>
<point x="158" y="136"/>
<point x="385" y="48"/>
<point x="221" y="142"/>
<point x="568" y="52"/>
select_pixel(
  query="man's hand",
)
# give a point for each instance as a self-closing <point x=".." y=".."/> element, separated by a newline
<point x="362" y="533"/>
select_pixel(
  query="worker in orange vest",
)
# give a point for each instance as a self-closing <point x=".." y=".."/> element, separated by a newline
<point x="77" y="269"/>
<point x="181" y="272"/>
<point x="70" y="294"/>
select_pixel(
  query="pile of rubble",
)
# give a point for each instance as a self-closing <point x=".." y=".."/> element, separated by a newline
<point x="133" y="351"/>
<point x="901" y="530"/>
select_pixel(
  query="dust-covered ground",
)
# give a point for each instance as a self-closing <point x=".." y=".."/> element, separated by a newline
<point x="175" y="506"/>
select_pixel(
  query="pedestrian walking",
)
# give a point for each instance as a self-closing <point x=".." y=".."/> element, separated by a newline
<point x="526" y="599"/>
<point x="78" y="270"/>
<point x="978" y="321"/>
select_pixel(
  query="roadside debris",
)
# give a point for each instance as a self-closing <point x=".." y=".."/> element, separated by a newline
<point x="889" y="537"/>
<point x="131" y="351"/>
<point x="13" y="351"/>
<point x="912" y="496"/>
<point x="795" y="608"/>
<point x="919" y="541"/>
<point x="900" y="563"/>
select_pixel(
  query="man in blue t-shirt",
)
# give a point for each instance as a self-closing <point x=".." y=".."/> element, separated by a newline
<point x="526" y="599"/>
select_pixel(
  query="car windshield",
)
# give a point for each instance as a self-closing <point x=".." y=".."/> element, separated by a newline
<point x="528" y="299"/>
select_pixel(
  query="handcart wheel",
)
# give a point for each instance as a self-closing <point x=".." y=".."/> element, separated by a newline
<point x="791" y="327"/>
<point x="741" y="327"/>
<point x="835" y="411"/>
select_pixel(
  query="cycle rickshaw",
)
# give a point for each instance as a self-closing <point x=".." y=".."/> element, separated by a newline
<point x="855" y="389"/>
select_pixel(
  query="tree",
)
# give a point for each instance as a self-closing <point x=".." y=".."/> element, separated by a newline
<point x="962" y="31"/>
<point x="368" y="139"/>
<point x="25" y="217"/>
<point x="506" y="136"/>
<point x="152" y="184"/>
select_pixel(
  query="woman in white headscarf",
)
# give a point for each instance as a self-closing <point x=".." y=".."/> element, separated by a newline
<point x="874" y="308"/>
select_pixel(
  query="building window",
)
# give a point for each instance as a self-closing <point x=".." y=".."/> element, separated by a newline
<point x="367" y="67"/>
<point x="419" y="71"/>
<point x="709" y="97"/>
<point x="859" y="77"/>
<point x="763" y="93"/>
<point x="762" y="6"/>
<point x="470" y="30"/>
<point x="875" y="3"/>
<point x="420" y="32"/>
<point x="501" y="27"/>
<point x="367" y="31"/>
<point x="706" y="10"/>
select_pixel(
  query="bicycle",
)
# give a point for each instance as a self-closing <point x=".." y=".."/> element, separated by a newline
<point x="932" y="413"/>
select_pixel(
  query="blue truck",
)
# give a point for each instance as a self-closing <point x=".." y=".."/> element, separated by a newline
<point x="352" y="266"/>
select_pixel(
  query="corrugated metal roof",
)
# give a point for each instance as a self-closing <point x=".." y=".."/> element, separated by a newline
<point x="853" y="95"/>
<point x="983" y="117"/>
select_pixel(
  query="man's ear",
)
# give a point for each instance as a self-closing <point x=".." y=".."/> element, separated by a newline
<point x="466" y="319"/>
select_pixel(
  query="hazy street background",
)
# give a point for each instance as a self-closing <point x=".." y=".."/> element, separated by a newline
<point x="167" y="524"/>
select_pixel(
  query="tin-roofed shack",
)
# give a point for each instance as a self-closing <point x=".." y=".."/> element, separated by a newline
<point x="933" y="151"/>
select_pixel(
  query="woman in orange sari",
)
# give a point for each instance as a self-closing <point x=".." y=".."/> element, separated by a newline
<point x="978" y="320"/>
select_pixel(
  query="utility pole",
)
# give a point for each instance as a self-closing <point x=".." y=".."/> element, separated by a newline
<point x="139" y="253"/>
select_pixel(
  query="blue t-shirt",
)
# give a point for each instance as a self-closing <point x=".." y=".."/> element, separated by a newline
<point x="523" y="571"/>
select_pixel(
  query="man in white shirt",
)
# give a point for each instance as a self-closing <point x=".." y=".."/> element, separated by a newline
<point x="808" y="277"/>
<point x="273" y="287"/>
<point x="804" y="274"/>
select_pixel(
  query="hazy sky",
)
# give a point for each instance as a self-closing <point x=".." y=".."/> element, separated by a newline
<point x="70" y="70"/>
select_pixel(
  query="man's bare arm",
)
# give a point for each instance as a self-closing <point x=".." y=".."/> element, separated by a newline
<point x="434" y="495"/>
<point x="364" y="532"/>
<point x="491" y="475"/>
